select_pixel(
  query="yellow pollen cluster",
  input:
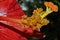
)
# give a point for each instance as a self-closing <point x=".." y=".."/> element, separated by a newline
<point x="35" y="21"/>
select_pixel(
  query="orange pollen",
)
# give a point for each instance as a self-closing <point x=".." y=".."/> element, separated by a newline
<point x="51" y="5"/>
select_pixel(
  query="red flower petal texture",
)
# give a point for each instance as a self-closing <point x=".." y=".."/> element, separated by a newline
<point x="13" y="10"/>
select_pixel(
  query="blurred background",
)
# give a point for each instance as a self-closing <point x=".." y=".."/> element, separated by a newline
<point x="52" y="30"/>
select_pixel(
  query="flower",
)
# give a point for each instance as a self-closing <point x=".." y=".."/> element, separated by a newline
<point x="14" y="15"/>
